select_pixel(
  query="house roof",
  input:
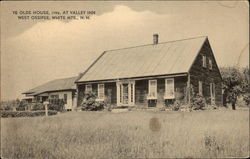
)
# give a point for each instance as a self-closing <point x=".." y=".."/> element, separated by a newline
<point x="55" y="85"/>
<point x="170" y="57"/>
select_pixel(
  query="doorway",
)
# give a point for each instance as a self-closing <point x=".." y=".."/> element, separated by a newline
<point x="125" y="97"/>
<point x="212" y="93"/>
<point x="126" y="93"/>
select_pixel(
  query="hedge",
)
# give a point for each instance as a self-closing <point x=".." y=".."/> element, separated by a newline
<point x="7" y="114"/>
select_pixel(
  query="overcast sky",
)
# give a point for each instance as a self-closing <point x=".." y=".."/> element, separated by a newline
<point x="34" y="52"/>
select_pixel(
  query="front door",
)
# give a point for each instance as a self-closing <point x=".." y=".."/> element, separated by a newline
<point x="212" y="93"/>
<point x="125" y="97"/>
<point x="125" y="93"/>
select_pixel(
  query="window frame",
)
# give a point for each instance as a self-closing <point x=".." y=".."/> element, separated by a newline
<point x="166" y="95"/>
<point x="204" y="61"/>
<point x="99" y="92"/>
<point x="86" y="88"/>
<point x="39" y="98"/>
<point x="150" y="89"/>
<point x="210" y="63"/>
<point x="200" y="87"/>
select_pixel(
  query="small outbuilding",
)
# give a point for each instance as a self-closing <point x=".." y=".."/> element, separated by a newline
<point x="57" y="89"/>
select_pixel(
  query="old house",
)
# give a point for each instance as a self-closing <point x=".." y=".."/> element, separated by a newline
<point x="155" y="74"/>
<point x="56" y="89"/>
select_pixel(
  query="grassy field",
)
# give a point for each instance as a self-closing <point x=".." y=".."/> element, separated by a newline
<point x="134" y="134"/>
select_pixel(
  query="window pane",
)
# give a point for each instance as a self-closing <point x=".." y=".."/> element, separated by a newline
<point x="210" y="64"/>
<point x="88" y="88"/>
<point x="153" y="83"/>
<point x="169" y="88"/>
<point x="153" y="88"/>
<point x="200" y="87"/>
<point x="101" y="91"/>
<point x="204" y="64"/>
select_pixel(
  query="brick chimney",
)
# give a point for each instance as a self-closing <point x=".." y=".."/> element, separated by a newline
<point x="155" y="38"/>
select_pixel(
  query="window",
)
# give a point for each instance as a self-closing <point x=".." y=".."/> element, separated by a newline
<point x="88" y="88"/>
<point x="204" y="62"/>
<point x="39" y="98"/>
<point x="65" y="98"/>
<point x="210" y="64"/>
<point x="169" y="88"/>
<point x="200" y="88"/>
<point x="101" y="91"/>
<point x="54" y="96"/>
<point x="152" y="89"/>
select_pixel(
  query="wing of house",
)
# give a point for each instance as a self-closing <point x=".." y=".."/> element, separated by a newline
<point x="60" y="88"/>
<point x="154" y="74"/>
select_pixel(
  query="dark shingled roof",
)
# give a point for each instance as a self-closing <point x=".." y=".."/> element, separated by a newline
<point x="148" y="60"/>
<point x="55" y="85"/>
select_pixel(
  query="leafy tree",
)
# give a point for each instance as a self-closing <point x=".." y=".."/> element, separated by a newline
<point x="23" y="105"/>
<point x="235" y="83"/>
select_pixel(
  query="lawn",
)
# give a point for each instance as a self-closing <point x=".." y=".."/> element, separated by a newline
<point x="133" y="134"/>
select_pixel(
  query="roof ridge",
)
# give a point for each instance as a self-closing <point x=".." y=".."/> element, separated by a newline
<point x="156" y="44"/>
<point x="64" y="78"/>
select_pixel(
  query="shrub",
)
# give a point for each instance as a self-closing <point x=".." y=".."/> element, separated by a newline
<point x="108" y="107"/>
<point x="37" y="106"/>
<point x="23" y="105"/>
<point x="5" y="114"/>
<point x="176" y="106"/>
<point x="56" y="104"/>
<point x="179" y="95"/>
<point x="10" y="104"/>
<point x="198" y="102"/>
<point x="90" y="103"/>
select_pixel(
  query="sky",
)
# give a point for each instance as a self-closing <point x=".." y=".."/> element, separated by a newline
<point x="36" y="51"/>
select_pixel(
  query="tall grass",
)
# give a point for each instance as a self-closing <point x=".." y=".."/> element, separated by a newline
<point x="134" y="134"/>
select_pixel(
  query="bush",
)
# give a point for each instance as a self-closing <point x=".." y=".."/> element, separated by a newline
<point x="6" y="114"/>
<point x="90" y="103"/>
<point x="198" y="102"/>
<point x="23" y="105"/>
<point x="108" y="107"/>
<point x="56" y="104"/>
<point x="176" y="106"/>
<point x="37" y="106"/>
<point x="10" y="104"/>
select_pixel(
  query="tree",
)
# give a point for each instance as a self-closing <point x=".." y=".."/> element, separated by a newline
<point x="235" y="83"/>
